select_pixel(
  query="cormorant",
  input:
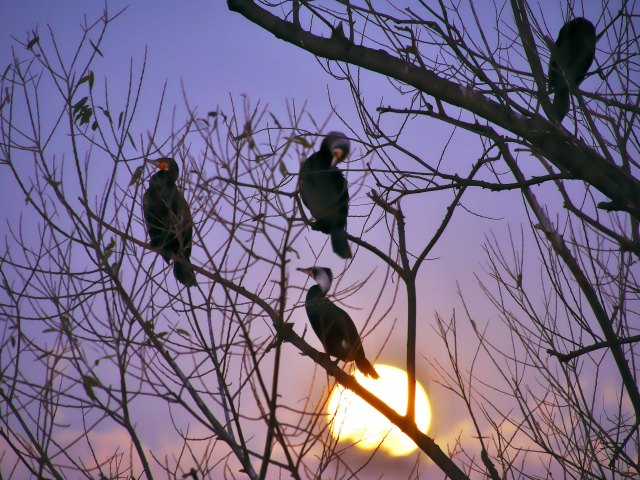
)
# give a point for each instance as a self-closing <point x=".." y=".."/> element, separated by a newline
<point x="168" y="219"/>
<point x="325" y="193"/>
<point x="332" y="325"/>
<point x="573" y="55"/>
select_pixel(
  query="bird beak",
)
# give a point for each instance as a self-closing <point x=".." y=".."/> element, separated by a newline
<point x="338" y="155"/>
<point x="308" y="271"/>
<point x="161" y="163"/>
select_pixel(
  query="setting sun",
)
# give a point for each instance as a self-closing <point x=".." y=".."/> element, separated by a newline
<point x="351" y="418"/>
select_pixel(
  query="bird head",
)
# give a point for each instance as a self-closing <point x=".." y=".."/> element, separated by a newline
<point x="338" y="144"/>
<point x="580" y="28"/>
<point x="322" y="275"/>
<point x="166" y="164"/>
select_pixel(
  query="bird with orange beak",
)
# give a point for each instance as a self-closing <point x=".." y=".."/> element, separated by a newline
<point x="324" y="191"/>
<point x="333" y="326"/>
<point x="168" y="219"/>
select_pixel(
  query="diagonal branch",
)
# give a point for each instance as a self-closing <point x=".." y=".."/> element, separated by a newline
<point x="560" y="248"/>
<point x="286" y="333"/>
<point x="567" y="153"/>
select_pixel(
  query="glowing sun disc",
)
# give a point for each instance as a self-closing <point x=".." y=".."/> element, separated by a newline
<point x="351" y="418"/>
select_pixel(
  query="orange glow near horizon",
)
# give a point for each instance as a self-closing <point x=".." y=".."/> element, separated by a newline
<point x="352" y="419"/>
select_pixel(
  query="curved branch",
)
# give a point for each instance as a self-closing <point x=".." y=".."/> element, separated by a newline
<point x="567" y="153"/>
<point x="565" y="357"/>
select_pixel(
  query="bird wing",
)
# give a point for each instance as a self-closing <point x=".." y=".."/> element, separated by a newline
<point x="337" y="332"/>
<point x="555" y="76"/>
<point x="184" y="225"/>
<point x="324" y="190"/>
<point x="168" y="219"/>
<point x="156" y="216"/>
<point x="583" y="60"/>
<point x="574" y="52"/>
<point x="342" y="192"/>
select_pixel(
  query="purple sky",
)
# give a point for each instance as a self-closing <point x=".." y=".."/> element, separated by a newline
<point x="217" y="54"/>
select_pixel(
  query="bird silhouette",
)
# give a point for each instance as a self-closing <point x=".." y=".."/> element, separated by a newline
<point x="332" y="325"/>
<point x="168" y="219"/>
<point x="325" y="193"/>
<point x="571" y="58"/>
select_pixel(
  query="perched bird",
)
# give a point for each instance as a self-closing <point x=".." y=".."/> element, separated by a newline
<point x="168" y="219"/>
<point x="332" y="325"/>
<point x="325" y="193"/>
<point x="570" y="61"/>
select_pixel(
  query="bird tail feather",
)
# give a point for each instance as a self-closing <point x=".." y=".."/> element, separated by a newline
<point x="561" y="104"/>
<point x="340" y="244"/>
<point x="365" y="367"/>
<point x="183" y="271"/>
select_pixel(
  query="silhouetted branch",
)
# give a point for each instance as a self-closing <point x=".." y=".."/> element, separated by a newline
<point x="565" y="357"/>
<point x="562" y="150"/>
